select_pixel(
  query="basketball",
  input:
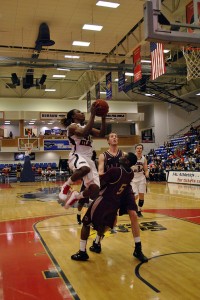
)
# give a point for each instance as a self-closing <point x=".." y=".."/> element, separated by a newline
<point x="102" y="107"/>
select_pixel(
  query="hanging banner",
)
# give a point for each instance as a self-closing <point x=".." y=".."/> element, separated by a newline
<point x="88" y="101"/>
<point x="109" y="86"/>
<point x="121" y="79"/>
<point x="137" y="64"/>
<point x="97" y="90"/>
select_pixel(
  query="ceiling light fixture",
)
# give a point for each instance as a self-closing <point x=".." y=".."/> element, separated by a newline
<point x="146" y="61"/>
<point x="50" y="90"/>
<point x="116" y="79"/>
<point x="166" y="50"/>
<point x="82" y="44"/>
<point x="92" y="27"/>
<point x="129" y="74"/>
<point x="149" y="95"/>
<point x="198" y="94"/>
<point x="107" y="4"/>
<point x="59" y="76"/>
<point x="103" y="93"/>
<point x="72" y="56"/>
<point x="63" y="69"/>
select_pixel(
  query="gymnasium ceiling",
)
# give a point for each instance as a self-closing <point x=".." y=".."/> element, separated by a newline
<point x="123" y="31"/>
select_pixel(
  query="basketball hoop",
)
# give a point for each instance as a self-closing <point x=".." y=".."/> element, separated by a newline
<point x="192" y="57"/>
<point x="28" y="149"/>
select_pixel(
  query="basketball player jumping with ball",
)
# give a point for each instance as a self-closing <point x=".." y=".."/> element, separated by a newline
<point x="80" y="161"/>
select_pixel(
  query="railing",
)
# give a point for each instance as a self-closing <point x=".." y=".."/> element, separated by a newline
<point x="20" y="143"/>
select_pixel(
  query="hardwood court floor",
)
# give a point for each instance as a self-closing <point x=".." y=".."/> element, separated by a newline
<point x="38" y="237"/>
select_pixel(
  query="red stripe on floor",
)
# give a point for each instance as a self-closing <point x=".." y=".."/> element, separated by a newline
<point x="22" y="261"/>
<point x="192" y="215"/>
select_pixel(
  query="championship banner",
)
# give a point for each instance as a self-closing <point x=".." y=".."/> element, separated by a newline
<point x="121" y="79"/>
<point x="56" y="145"/>
<point x="88" y="101"/>
<point x="137" y="64"/>
<point x="97" y="90"/>
<point x="109" y="86"/>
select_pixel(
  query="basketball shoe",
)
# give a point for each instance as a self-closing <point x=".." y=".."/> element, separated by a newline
<point x="95" y="247"/>
<point x="139" y="255"/>
<point x="72" y="198"/>
<point x="63" y="193"/>
<point x="80" y="255"/>
<point x="139" y="214"/>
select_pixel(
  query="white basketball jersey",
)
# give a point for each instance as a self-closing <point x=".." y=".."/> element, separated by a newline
<point x="81" y="145"/>
<point x="138" y="169"/>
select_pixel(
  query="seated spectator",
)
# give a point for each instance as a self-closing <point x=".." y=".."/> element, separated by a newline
<point x="10" y="135"/>
<point x="6" y="170"/>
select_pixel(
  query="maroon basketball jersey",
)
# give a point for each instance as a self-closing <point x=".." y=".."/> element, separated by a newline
<point x="116" y="180"/>
<point x="111" y="160"/>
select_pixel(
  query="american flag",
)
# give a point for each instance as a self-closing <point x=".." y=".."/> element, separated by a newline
<point x="157" y="60"/>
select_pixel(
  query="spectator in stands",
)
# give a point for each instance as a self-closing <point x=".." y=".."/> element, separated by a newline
<point x="52" y="175"/>
<point x="197" y="149"/>
<point x="193" y="130"/>
<point x="18" y="170"/>
<point x="6" y="170"/>
<point x="33" y="167"/>
<point x="10" y="135"/>
<point x="152" y="173"/>
<point x="39" y="172"/>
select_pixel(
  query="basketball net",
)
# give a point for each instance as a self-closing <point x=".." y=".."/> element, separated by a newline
<point x="192" y="57"/>
<point x="28" y="149"/>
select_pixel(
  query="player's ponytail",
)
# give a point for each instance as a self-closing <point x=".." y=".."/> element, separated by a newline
<point x="67" y="121"/>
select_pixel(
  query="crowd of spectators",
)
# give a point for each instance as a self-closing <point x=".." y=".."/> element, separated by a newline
<point x="182" y="153"/>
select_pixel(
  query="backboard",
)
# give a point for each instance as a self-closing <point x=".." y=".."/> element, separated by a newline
<point x="154" y="31"/>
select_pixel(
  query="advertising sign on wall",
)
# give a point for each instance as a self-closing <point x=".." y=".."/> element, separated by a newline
<point x="185" y="177"/>
<point x="52" y="145"/>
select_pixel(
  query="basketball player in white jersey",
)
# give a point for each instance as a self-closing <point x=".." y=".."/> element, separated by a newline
<point x="80" y="161"/>
<point x="141" y="172"/>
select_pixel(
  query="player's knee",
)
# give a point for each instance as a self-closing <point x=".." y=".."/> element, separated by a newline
<point x="93" y="191"/>
<point x="85" y="170"/>
<point x="132" y="215"/>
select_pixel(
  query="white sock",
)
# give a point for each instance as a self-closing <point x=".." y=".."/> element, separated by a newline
<point x="83" y="245"/>
<point x="69" y="181"/>
<point x="137" y="239"/>
<point x="80" y="196"/>
<point x="97" y="239"/>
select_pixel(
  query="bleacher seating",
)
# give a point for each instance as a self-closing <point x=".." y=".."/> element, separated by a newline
<point x="12" y="166"/>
